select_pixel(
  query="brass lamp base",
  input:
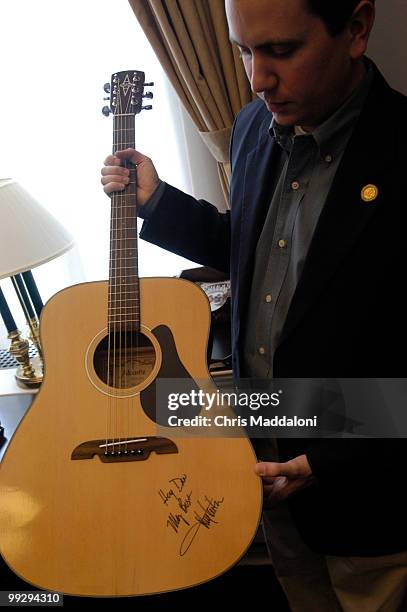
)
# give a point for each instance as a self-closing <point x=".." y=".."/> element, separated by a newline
<point x="34" y="378"/>
<point x="30" y="374"/>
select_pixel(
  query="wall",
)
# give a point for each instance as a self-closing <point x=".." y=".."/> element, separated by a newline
<point x="388" y="44"/>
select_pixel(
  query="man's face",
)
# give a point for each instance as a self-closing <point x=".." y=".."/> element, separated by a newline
<point x="300" y="71"/>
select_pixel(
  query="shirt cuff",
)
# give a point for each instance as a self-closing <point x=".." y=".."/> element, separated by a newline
<point x="146" y="210"/>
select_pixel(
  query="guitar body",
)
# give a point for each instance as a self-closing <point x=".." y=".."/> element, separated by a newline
<point x="83" y="526"/>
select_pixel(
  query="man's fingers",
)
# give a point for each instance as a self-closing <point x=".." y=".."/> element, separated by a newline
<point x="295" y="468"/>
<point x="113" y="183"/>
<point x="270" y="469"/>
<point x="111" y="187"/>
<point x="112" y="160"/>
<point x="276" y="485"/>
<point x="269" y="480"/>
<point x="114" y="171"/>
<point x="132" y="155"/>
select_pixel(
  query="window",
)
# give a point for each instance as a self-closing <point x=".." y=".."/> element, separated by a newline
<point x="56" y="56"/>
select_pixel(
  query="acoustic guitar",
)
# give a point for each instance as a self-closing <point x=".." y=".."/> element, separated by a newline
<point x="99" y="496"/>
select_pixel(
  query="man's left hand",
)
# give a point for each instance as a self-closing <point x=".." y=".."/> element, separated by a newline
<point x="280" y="480"/>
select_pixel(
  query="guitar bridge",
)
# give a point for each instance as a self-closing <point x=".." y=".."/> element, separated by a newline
<point x="131" y="449"/>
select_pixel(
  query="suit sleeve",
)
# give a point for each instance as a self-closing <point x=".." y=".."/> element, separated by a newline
<point x="194" y="229"/>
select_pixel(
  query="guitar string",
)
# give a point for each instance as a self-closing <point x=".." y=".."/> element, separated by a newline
<point x="136" y="353"/>
<point x="110" y="317"/>
<point x="122" y="281"/>
<point x="132" y="333"/>
<point x="124" y="286"/>
<point x="125" y="316"/>
<point x="112" y="337"/>
<point x="136" y="324"/>
<point x="114" y="303"/>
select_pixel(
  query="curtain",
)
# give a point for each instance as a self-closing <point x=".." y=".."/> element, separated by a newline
<point x="191" y="41"/>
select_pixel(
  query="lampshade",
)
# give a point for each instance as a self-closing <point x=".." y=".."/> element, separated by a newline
<point x="29" y="234"/>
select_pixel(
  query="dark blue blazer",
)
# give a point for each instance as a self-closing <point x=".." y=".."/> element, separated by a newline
<point x="348" y="314"/>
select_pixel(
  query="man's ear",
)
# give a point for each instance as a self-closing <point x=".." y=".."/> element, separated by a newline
<point x="360" y="26"/>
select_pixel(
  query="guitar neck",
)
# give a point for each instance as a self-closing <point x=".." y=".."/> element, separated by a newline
<point x="124" y="287"/>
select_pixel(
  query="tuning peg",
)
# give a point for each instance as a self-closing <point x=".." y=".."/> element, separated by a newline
<point x="148" y="94"/>
<point x="106" y="87"/>
<point x="108" y="98"/>
<point x="149" y="84"/>
<point x="106" y="111"/>
<point x="149" y="107"/>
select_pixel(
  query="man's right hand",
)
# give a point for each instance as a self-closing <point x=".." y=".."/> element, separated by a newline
<point x="115" y="177"/>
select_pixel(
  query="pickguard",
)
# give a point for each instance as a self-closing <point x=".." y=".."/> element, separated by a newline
<point x="171" y="367"/>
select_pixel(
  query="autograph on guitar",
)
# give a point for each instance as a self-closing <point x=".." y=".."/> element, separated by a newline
<point x="92" y="500"/>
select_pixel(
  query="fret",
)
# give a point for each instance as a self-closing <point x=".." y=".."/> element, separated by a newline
<point x="122" y="239"/>
<point x="122" y="229"/>
<point x="115" y="307"/>
<point x="118" y="307"/>
<point x="119" y="303"/>
<point x="128" y="205"/>
<point x="113" y="298"/>
<point x="117" y="310"/>
<point x="119" y="268"/>
<point x="116" y="303"/>
<point x="124" y="280"/>
<point x="126" y="238"/>
<point x="127" y="143"/>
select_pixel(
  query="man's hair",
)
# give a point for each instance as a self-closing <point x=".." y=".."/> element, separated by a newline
<point x="334" y="13"/>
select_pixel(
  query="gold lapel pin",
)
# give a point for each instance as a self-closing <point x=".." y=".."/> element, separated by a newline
<point x="369" y="193"/>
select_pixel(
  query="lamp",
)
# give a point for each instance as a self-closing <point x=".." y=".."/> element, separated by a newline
<point x="29" y="236"/>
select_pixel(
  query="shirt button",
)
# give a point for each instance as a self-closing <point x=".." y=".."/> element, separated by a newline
<point x="328" y="158"/>
<point x="295" y="185"/>
<point x="262" y="350"/>
<point x="268" y="298"/>
<point x="282" y="244"/>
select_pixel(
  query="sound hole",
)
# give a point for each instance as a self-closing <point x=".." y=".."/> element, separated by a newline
<point x="124" y="360"/>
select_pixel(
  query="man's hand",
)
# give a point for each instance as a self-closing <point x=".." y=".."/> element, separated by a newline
<point x="280" y="480"/>
<point x="115" y="177"/>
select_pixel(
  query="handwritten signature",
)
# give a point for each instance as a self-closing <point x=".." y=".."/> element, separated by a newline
<point x="202" y="520"/>
<point x="167" y="496"/>
<point x="205" y="517"/>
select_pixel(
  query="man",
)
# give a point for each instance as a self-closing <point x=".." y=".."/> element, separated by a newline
<point x="315" y="247"/>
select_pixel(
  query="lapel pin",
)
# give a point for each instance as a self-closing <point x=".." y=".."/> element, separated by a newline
<point x="369" y="193"/>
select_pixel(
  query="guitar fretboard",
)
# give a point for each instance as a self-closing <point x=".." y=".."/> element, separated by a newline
<point x="124" y="289"/>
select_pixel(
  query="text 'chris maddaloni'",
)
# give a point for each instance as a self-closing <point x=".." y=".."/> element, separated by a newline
<point x="216" y="401"/>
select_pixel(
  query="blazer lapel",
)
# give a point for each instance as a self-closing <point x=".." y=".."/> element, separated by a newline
<point x="257" y="194"/>
<point x="345" y="214"/>
<point x="256" y="197"/>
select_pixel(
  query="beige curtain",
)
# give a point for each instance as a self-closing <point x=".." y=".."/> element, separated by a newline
<point x="191" y="41"/>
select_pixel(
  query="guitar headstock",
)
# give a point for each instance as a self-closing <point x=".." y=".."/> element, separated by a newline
<point x="126" y="90"/>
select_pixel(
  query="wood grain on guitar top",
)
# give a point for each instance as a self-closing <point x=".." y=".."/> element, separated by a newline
<point x="88" y="527"/>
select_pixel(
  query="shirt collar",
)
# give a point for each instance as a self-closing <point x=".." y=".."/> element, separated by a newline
<point x="329" y="136"/>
